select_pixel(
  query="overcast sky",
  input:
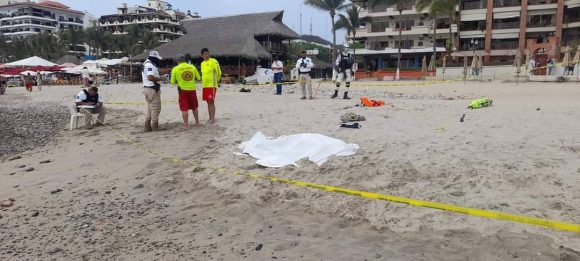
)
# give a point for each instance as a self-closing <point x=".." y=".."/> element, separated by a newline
<point x="207" y="8"/>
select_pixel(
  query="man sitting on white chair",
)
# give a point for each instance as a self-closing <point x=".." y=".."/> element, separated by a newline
<point x="89" y="102"/>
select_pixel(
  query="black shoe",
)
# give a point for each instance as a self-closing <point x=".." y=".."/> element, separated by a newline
<point x="346" y="96"/>
<point x="334" y="95"/>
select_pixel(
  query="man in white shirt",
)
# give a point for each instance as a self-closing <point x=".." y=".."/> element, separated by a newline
<point x="304" y="66"/>
<point x="85" y="75"/>
<point x="152" y="90"/>
<point x="89" y="102"/>
<point x="278" y="70"/>
<point x="532" y="66"/>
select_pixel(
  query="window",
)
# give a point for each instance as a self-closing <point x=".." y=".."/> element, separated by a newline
<point x="472" y="26"/>
<point x="504" y="43"/>
<point x="407" y="25"/>
<point x="508" y="23"/>
<point x="379" y="45"/>
<point x="379" y="26"/>
<point x="407" y="44"/>
<point x="474" y="4"/>
<point x="572" y="15"/>
<point x="380" y="8"/>
<point x="541" y="21"/>
<point x="506" y="3"/>
<point x="420" y="44"/>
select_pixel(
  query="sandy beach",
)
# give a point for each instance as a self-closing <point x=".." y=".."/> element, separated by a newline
<point x="99" y="197"/>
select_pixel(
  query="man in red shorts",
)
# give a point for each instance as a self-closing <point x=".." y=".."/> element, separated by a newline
<point x="211" y="75"/>
<point x="185" y="75"/>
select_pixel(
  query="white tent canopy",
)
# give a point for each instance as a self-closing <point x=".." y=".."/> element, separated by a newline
<point x="30" y="62"/>
<point x="107" y="62"/>
<point x="93" y="69"/>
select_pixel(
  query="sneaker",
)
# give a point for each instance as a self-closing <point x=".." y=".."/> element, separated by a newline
<point x="303" y="98"/>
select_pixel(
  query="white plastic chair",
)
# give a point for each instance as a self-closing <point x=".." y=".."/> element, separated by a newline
<point x="75" y="116"/>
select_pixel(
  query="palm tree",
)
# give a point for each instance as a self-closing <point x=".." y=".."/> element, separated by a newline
<point x="74" y="37"/>
<point x="440" y="8"/>
<point x="351" y="22"/>
<point x="149" y="41"/>
<point x="399" y="6"/>
<point x="95" y="38"/>
<point x="332" y="7"/>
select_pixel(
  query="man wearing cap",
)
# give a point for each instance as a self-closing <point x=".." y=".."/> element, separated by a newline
<point x="211" y="75"/>
<point x="185" y="75"/>
<point x="152" y="90"/>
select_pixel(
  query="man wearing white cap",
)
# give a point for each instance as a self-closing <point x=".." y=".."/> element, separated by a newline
<point x="152" y="90"/>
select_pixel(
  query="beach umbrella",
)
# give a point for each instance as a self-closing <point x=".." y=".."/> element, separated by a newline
<point x="444" y="65"/>
<point x="464" y="67"/>
<point x="474" y="62"/>
<point x="518" y="63"/>
<point x="566" y="59"/>
<point x="480" y="63"/>
<point x="432" y="63"/>
<point x="527" y="59"/>
<point x="424" y="66"/>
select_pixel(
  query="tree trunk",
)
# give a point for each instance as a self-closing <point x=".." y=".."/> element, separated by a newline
<point x="333" y="43"/>
<point x="434" y="41"/>
<point x="400" y="38"/>
<point x="451" y="32"/>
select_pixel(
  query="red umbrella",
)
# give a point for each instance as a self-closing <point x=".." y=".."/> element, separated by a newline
<point x="13" y="71"/>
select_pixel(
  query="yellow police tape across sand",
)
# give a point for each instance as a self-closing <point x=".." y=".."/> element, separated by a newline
<point x="366" y="84"/>
<point x="553" y="224"/>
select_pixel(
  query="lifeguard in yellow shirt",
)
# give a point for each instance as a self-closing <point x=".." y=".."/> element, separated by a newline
<point x="185" y="75"/>
<point x="211" y="75"/>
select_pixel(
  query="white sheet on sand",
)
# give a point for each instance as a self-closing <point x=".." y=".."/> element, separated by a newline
<point x="287" y="150"/>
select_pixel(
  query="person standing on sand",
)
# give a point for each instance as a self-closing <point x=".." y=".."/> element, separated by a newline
<point x="185" y="75"/>
<point x="304" y="66"/>
<point x="85" y="74"/>
<point x="211" y="74"/>
<point x="152" y="90"/>
<point x="28" y="82"/>
<point x="3" y="85"/>
<point x="39" y="81"/>
<point x="278" y="70"/>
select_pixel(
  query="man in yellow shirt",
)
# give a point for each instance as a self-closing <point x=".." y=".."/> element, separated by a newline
<point x="185" y="75"/>
<point x="211" y="75"/>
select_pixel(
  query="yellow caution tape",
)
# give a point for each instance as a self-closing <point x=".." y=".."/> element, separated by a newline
<point x="553" y="224"/>
<point x="420" y="203"/>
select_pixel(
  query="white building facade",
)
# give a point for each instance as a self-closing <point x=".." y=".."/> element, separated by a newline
<point x="156" y="16"/>
<point x="23" y="18"/>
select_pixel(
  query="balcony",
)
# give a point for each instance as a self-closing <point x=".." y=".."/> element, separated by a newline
<point x="406" y="31"/>
<point x="572" y="24"/>
<point x="391" y="12"/>
<point x="472" y="34"/>
<point x="540" y="29"/>
<point x="542" y="6"/>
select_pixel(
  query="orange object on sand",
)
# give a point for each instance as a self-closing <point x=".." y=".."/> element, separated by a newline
<point x="366" y="102"/>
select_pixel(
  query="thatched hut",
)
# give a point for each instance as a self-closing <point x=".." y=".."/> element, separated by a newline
<point x="69" y="59"/>
<point x="239" y="42"/>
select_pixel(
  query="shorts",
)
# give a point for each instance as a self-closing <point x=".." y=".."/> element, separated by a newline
<point x="187" y="100"/>
<point x="209" y="94"/>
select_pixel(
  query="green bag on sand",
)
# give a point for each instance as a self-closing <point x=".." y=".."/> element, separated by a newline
<point x="480" y="103"/>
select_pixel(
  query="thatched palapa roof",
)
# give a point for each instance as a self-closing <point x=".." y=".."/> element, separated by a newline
<point x="68" y="59"/>
<point x="228" y="36"/>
